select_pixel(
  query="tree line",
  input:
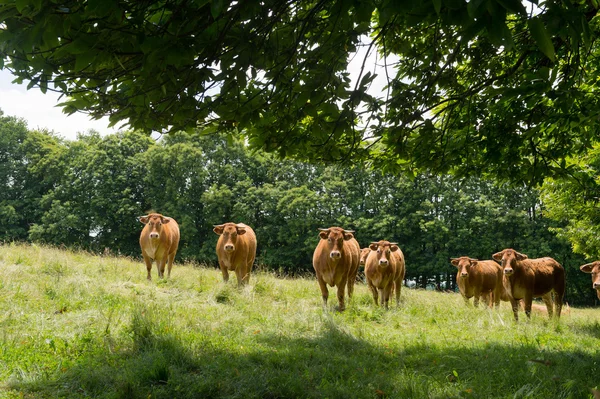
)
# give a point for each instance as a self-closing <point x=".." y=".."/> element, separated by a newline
<point x="89" y="192"/>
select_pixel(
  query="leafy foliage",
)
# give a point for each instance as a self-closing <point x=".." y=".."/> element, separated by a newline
<point x="574" y="203"/>
<point x="495" y="86"/>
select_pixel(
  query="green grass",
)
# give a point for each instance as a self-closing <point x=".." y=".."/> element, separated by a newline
<point x="74" y="325"/>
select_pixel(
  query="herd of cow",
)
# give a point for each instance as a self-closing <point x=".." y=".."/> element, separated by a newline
<point x="338" y="255"/>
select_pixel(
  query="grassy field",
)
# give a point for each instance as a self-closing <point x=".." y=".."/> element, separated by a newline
<point x="75" y="325"/>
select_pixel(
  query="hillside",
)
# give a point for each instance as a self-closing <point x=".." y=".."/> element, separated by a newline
<point x="76" y="325"/>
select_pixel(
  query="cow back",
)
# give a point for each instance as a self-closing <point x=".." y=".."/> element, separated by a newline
<point x="489" y="275"/>
<point x="168" y="242"/>
<point x="333" y="271"/>
<point x="393" y="271"/>
<point x="549" y="274"/>
<point x="398" y="257"/>
<point x="539" y="275"/>
<point x="245" y="248"/>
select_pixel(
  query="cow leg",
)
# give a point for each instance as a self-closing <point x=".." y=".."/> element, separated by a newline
<point x="476" y="296"/>
<point x="351" y="282"/>
<point x="527" y="303"/>
<point x="466" y="299"/>
<point x="496" y="295"/>
<point x="160" y="265"/>
<point x="547" y="298"/>
<point x="398" y="288"/>
<point x="341" y="293"/>
<point x="243" y="277"/>
<point x="387" y="293"/>
<point x="148" y="262"/>
<point x="374" y="292"/>
<point x="382" y="296"/>
<point x="487" y="299"/>
<point x="558" y="302"/>
<point x="324" y="291"/>
<point x="224" y="272"/>
<point x="170" y="266"/>
<point x="515" y="307"/>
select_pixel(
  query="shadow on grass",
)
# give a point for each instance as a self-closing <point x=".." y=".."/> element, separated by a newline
<point x="592" y="330"/>
<point x="333" y="363"/>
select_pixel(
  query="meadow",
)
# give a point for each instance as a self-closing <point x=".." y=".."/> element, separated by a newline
<point x="76" y="325"/>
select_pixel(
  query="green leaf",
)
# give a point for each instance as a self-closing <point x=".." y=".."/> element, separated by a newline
<point x="21" y="5"/>
<point x="32" y="82"/>
<point x="82" y="61"/>
<point x="514" y="6"/>
<point x="541" y="37"/>
<point x="217" y="7"/>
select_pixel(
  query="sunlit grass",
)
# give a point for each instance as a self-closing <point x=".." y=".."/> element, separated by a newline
<point x="74" y="325"/>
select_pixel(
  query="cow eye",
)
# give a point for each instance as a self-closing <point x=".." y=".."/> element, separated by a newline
<point x="329" y="240"/>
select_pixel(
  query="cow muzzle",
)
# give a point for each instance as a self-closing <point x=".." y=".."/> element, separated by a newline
<point x="229" y="247"/>
<point x="508" y="272"/>
<point x="335" y="254"/>
<point x="596" y="286"/>
<point x="154" y="236"/>
<point x="383" y="262"/>
<point x="464" y="275"/>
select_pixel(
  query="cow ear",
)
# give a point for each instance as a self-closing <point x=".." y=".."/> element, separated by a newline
<point x="165" y="220"/>
<point x="498" y="256"/>
<point x="218" y="229"/>
<point x="324" y="234"/>
<point x="520" y="256"/>
<point x="473" y="261"/>
<point x="394" y="247"/>
<point x="454" y="261"/>
<point x="587" y="268"/>
<point x="373" y="246"/>
<point x="348" y="236"/>
<point x="240" y="230"/>
<point x="143" y="219"/>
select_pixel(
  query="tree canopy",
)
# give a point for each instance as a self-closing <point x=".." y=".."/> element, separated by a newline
<point x="497" y="86"/>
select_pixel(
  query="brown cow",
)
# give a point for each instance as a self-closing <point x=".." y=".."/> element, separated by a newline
<point x="159" y="241"/>
<point x="364" y="254"/>
<point x="236" y="250"/>
<point x="479" y="279"/>
<point x="384" y="270"/>
<point x="594" y="269"/>
<point x="526" y="278"/>
<point x="335" y="261"/>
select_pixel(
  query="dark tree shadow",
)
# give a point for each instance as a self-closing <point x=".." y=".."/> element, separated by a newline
<point x="333" y="363"/>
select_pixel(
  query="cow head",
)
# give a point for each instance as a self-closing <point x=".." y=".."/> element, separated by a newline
<point x="364" y="254"/>
<point x="594" y="269"/>
<point x="335" y="237"/>
<point x="508" y="259"/>
<point x="383" y="250"/>
<point x="230" y="233"/>
<point x="155" y="221"/>
<point x="463" y="264"/>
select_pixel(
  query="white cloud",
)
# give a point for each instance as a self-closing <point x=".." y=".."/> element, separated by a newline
<point x="40" y="110"/>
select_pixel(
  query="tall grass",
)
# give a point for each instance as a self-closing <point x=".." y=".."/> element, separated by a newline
<point x="73" y="325"/>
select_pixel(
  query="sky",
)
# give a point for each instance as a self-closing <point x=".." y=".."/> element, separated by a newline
<point x="40" y="110"/>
